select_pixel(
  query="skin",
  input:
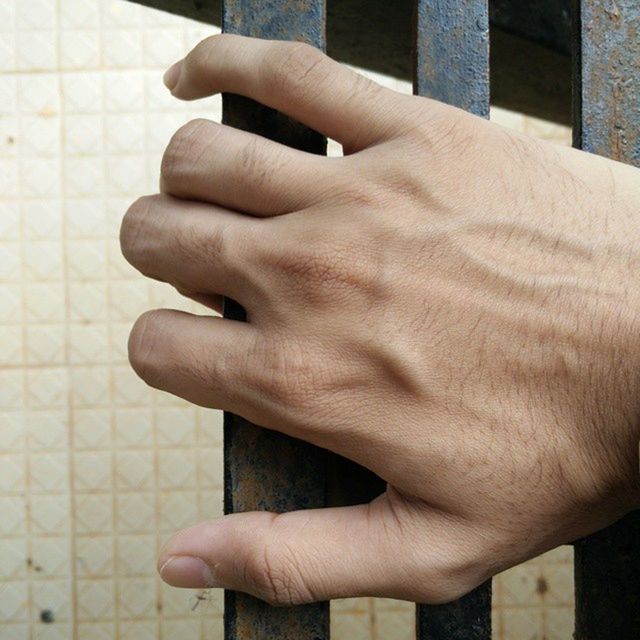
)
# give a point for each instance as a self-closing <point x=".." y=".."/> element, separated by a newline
<point x="451" y="304"/>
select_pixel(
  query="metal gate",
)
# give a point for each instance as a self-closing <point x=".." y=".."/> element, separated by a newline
<point x="267" y="470"/>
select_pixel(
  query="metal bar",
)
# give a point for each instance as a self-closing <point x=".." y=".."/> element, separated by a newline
<point x="606" y="121"/>
<point x="265" y="470"/>
<point x="468" y="618"/>
<point x="452" y="53"/>
<point x="606" y="116"/>
<point x="452" y="65"/>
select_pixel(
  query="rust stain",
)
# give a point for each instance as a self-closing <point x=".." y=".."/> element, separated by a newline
<point x="47" y="112"/>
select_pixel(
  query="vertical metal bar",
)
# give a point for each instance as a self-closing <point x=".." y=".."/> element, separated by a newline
<point x="265" y="470"/>
<point x="452" y="65"/>
<point x="606" y="121"/>
<point x="452" y="53"/>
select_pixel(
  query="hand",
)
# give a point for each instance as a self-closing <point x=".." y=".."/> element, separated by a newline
<point x="451" y="304"/>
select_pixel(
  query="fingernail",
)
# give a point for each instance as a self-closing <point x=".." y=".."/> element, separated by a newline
<point x="171" y="75"/>
<point x="187" y="571"/>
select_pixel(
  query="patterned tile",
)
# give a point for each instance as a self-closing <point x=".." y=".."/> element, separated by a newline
<point x="14" y="515"/>
<point x="44" y="302"/>
<point x="12" y="351"/>
<point x="47" y="388"/>
<point x="88" y="343"/>
<point x="42" y="219"/>
<point x="13" y="432"/>
<point x="122" y="48"/>
<point x="14" y="602"/>
<point x="93" y="513"/>
<point x="40" y="136"/>
<point x="35" y="15"/>
<point x="178" y="509"/>
<point x="176" y="426"/>
<point x="137" y="598"/>
<point x="524" y="623"/>
<point x="9" y="210"/>
<point x="49" y="472"/>
<point x="50" y="514"/>
<point x="135" y="512"/>
<point x="351" y="626"/>
<point x="10" y="261"/>
<point x="83" y="135"/>
<point x="177" y="469"/>
<point x="50" y="557"/>
<point x="38" y="94"/>
<point x="36" y="50"/>
<point x="134" y="470"/>
<point x="92" y="471"/>
<point x="47" y="430"/>
<point x="82" y="91"/>
<point x="138" y="630"/>
<point x="13" y="554"/>
<point x="97" y="630"/>
<point x="96" y="599"/>
<point x="91" y="429"/>
<point x="79" y="14"/>
<point x="54" y="595"/>
<point x="85" y="218"/>
<point x="12" y="473"/>
<point x="45" y="345"/>
<point x="94" y="557"/>
<point x="136" y="555"/>
<point x="79" y="49"/>
<point x="88" y="301"/>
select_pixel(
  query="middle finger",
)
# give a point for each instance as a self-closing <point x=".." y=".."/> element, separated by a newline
<point x="243" y="171"/>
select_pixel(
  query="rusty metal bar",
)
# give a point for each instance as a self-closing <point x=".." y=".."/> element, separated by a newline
<point x="606" y="121"/>
<point x="452" y="53"/>
<point x="452" y="65"/>
<point x="265" y="470"/>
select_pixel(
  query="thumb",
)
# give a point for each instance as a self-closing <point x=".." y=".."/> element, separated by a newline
<point x="377" y="549"/>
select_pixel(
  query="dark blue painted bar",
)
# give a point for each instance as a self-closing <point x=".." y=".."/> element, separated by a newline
<point x="452" y="53"/>
<point x="265" y="470"/>
<point x="606" y="121"/>
<point x="607" y="71"/>
<point x="452" y="65"/>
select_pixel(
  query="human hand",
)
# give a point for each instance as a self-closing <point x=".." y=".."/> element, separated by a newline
<point x="452" y="305"/>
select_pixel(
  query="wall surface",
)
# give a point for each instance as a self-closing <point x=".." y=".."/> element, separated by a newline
<point x="96" y="470"/>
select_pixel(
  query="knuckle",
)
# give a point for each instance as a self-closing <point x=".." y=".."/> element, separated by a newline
<point x="446" y="131"/>
<point x="286" y="374"/>
<point x="295" y="67"/>
<point x="262" y="165"/>
<point x="366" y="194"/>
<point x="185" y="149"/>
<point x="200" y="57"/>
<point x="215" y="248"/>
<point x="274" y="572"/>
<point x="327" y="273"/>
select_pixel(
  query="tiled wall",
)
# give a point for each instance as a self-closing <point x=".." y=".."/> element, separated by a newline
<point x="95" y="468"/>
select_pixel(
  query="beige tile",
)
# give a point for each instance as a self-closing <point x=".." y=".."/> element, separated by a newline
<point x="399" y="625"/>
<point x="350" y="627"/>
<point x="522" y="623"/>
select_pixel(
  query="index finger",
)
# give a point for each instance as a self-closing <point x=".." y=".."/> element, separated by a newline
<point x="294" y="78"/>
